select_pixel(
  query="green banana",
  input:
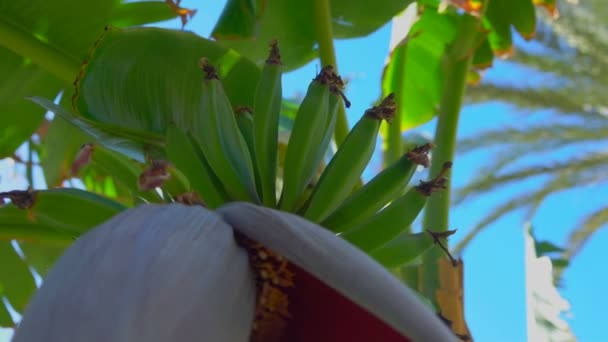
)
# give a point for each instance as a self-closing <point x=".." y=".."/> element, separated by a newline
<point x="383" y="188"/>
<point x="403" y="249"/>
<point x="335" y="96"/>
<point x="244" y="121"/>
<point x="396" y="217"/>
<point x="407" y="247"/>
<point x="302" y="201"/>
<point x="216" y="131"/>
<point x="267" y="107"/>
<point x="186" y="157"/>
<point x="306" y="137"/>
<point x="347" y="165"/>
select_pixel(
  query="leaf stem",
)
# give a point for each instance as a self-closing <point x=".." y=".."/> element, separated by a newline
<point x="327" y="54"/>
<point x="43" y="54"/>
<point x="456" y="63"/>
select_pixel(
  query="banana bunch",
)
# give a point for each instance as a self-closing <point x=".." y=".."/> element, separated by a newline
<point x="221" y="153"/>
<point x="230" y="154"/>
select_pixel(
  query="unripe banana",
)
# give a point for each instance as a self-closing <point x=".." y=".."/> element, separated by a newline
<point x="383" y="188"/>
<point x="188" y="159"/>
<point x="267" y="107"/>
<point x="335" y="97"/>
<point x="304" y="197"/>
<point x="346" y="167"/>
<point x="396" y="217"/>
<point x="218" y="136"/>
<point x="305" y="140"/>
<point x="407" y="247"/>
<point x="244" y="121"/>
<point x="403" y="249"/>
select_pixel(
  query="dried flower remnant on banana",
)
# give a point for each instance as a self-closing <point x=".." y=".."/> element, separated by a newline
<point x="22" y="199"/>
<point x="154" y="176"/>
<point x="190" y="198"/>
<point x="385" y="110"/>
<point x="420" y="154"/>
<point x="436" y="184"/>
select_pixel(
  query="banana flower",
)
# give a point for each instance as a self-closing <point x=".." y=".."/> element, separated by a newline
<point x="239" y="273"/>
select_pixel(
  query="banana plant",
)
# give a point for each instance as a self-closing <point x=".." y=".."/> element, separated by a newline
<point x="184" y="127"/>
<point x="198" y="125"/>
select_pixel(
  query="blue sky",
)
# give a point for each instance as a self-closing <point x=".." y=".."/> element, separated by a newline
<point x="494" y="261"/>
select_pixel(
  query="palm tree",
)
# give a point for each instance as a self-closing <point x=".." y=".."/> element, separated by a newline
<point x="570" y="54"/>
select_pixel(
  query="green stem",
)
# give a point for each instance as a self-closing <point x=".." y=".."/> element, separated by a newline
<point x="436" y="216"/>
<point x="327" y="54"/>
<point x="48" y="57"/>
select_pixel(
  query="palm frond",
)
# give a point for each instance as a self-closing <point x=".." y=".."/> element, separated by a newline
<point x="527" y="98"/>
<point x="580" y="236"/>
<point x="581" y="27"/>
<point x="565" y="68"/>
<point x="560" y="122"/>
<point x="565" y="180"/>
<point x="591" y="163"/>
<point x="537" y="138"/>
